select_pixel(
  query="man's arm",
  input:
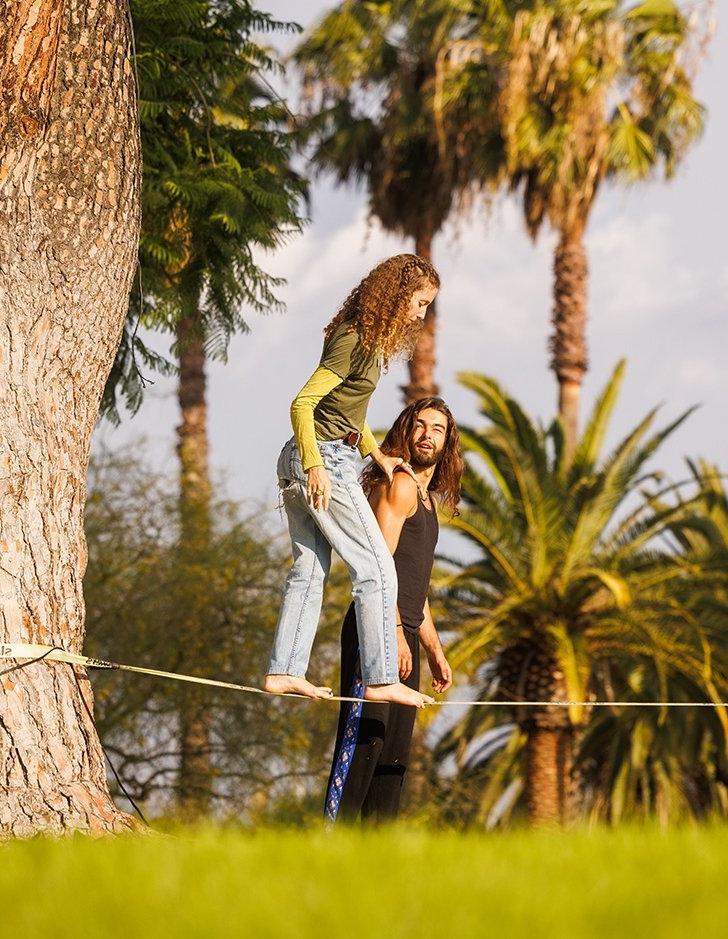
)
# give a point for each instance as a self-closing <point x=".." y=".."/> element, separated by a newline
<point x="392" y="506"/>
<point x="430" y="642"/>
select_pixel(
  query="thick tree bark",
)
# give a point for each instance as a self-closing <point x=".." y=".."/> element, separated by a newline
<point x="195" y="774"/>
<point x="69" y="223"/>
<point x="422" y="364"/>
<point x="528" y="671"/>
<point x="549" y="773"/>
<point x="568" y="343"/>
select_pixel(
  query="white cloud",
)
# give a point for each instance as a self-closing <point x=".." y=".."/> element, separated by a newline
<point x="637" y="272"/>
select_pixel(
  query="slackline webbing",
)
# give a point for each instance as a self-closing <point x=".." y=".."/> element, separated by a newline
<point x="20" y="650"/>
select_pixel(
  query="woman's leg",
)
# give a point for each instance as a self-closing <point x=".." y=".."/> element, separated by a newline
<point x="301" y="605"/>
<point x="303" y="593"/>
<point x="351" y="528"/>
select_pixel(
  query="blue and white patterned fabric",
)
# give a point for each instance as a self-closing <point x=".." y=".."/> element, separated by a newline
<point x="345" y="754"/>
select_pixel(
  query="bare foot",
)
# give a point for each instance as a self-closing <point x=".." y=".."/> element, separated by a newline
<point x="290" y="684"/>
<point x="398" y="694"/>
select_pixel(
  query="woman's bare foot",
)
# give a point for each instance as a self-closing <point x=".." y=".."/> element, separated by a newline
<point x="290" y="684"/>
<point x="397" y="694"/>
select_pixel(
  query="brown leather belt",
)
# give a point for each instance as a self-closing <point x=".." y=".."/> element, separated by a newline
<point x="352" y="438"/>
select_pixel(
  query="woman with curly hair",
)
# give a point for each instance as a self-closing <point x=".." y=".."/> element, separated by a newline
<point x="323" y="498"/>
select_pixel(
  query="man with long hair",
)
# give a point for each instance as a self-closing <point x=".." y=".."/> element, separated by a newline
<point x="373" y="739"/>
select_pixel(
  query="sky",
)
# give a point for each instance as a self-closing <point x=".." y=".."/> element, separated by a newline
<point x="658" y="294"/>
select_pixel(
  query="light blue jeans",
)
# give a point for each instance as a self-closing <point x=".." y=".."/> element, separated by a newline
<point x="350" y="528"/>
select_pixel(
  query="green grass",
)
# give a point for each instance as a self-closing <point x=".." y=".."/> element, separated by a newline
<point x="384" y="884"/>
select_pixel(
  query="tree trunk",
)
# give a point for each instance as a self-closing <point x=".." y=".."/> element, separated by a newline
<point x="568" y="343"/>
<point x="528" y="671"/>
<point x="69" y="224"/>
<point x="422" y="364"/>
<point x="195" y="774"/>
<point x="549" y="773"/>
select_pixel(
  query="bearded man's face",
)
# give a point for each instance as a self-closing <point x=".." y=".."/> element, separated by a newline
<point x="428" y="438"/>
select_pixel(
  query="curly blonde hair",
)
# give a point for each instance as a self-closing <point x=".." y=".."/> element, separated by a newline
<point x="377" y="306"/>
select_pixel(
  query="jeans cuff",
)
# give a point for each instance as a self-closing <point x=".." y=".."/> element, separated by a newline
<point x="274" y="669"/>
<point x="377" y="680"/>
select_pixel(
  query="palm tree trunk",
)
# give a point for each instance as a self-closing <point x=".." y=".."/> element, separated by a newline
<point x="422" y="364"/>
<point x="70" y="172"/>
<point x="568" y="343"/>
<point x="195" y="773"/>
<point x="528" y="671"/>
<point x="549" y="773"/>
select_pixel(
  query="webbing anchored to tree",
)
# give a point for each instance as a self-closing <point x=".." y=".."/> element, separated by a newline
<point x="38" y="653"/>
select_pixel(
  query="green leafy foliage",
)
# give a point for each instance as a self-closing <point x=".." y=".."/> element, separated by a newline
<point x="210" y="613"/>
<point x="370" y="75"/>
<point x="587" y="91"/>
<point x="618" y="581"/>
<point x="218" y="187"/>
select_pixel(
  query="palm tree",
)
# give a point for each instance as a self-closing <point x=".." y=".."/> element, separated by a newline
<point x="639" y="761"/>
<point x="572" y="581"/>
<point x="630" y="762"/>
<point x="217" y="185"/>
<point x="588" y="91"/>
<point x="649" y="762"/>
<point x="370" y="76"/>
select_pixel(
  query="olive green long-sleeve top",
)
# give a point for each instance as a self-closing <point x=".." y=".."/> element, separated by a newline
<point x="334" y="400"/>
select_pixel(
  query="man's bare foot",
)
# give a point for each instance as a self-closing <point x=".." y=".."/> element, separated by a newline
<point x="290" y="684"/>
<point x="397" y="694"/>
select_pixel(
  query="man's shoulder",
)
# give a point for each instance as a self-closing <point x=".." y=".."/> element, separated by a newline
<point x="402" y="492"/>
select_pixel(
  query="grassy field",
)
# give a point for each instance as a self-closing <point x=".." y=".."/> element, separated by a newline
<point x="388" y="883"/>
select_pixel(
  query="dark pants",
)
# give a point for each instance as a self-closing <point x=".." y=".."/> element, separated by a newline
<point x="372" y="742"/>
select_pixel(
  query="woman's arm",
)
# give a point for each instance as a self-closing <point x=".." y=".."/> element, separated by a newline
<point x="368" y="445"/>
<point x="317" y="387"/>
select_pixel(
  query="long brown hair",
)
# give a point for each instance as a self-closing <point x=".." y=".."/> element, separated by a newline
<point x="377" y="306"/>
<point x="446" y="479"/>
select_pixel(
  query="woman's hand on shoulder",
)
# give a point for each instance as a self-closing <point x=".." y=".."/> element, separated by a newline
<point x="388" y="464"/>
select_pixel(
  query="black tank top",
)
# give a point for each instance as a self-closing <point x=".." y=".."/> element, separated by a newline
<point x="413" y="560"/>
